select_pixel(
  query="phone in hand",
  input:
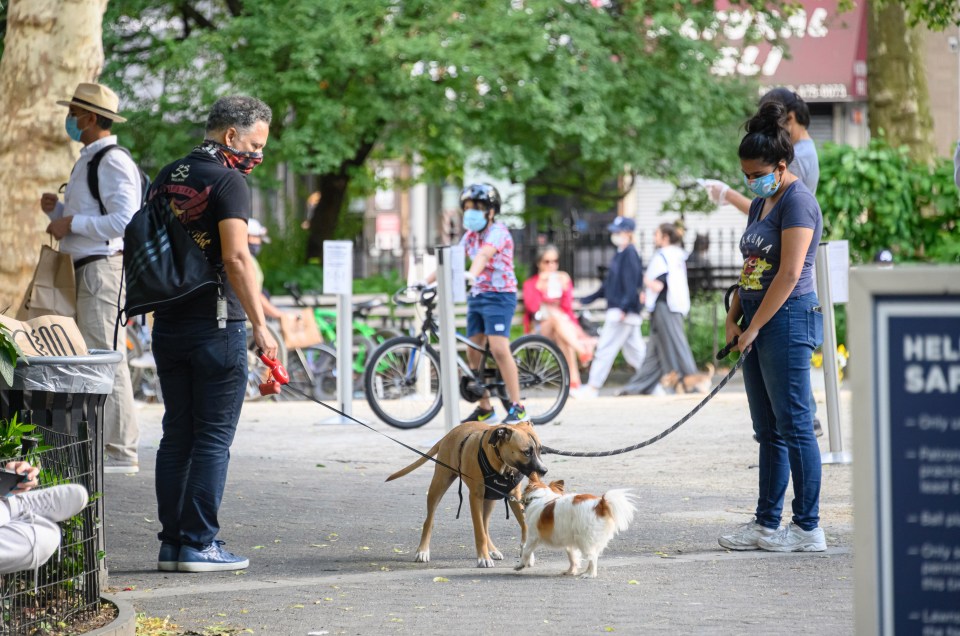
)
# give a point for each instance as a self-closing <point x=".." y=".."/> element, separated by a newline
<point x="10" y="480"/>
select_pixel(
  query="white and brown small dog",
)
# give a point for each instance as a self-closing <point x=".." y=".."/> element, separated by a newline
<point x="581" y="524"/>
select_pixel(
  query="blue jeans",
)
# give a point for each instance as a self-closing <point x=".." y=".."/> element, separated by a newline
<point x="491" y="313"/>
<point x="202" y="371"/>
<point x="777" y="377"/>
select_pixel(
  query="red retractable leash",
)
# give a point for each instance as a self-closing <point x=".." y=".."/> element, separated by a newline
<point x="278" y="375"/>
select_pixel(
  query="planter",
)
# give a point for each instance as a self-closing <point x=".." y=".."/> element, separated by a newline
<point x="125" y="624"/>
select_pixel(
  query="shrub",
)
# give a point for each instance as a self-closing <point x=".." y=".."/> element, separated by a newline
<point x="877" y="197"/>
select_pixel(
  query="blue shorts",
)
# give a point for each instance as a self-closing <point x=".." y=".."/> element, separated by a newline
<point x="491" y="313"/>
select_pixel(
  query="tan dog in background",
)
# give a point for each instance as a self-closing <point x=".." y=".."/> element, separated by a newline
<point x="697" y="383"/>
<point x="581" y="524"/>
<point x="509" y="453"/>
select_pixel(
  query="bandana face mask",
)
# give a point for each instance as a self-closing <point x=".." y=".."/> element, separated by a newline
<point x="239" y="160"/>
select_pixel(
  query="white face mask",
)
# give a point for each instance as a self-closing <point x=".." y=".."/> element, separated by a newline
<point x="619" y="239"/>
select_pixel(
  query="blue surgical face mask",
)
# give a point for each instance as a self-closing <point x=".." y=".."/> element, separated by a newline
<point x="72" y="129"/>
<point x="474" y="220"/>
<point x="765" y="186"/>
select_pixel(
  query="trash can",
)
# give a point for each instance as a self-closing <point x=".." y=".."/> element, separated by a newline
<point x="66" y="394"/>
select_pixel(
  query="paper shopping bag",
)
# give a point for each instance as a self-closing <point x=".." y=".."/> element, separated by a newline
<point x="299" y="329"/>
<point x="46" y="336"/>
<point x="53" y="290"/>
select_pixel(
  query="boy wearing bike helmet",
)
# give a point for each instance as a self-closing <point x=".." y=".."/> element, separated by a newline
<point x="493" y="296"/>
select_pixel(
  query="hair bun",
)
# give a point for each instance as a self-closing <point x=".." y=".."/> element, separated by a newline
<point x="770" y="118"/>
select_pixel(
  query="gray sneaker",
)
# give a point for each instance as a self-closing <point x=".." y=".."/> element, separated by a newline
<point x="113" y="465"/>
<point x="746" y="536"/>
<point x="791" y="538"/>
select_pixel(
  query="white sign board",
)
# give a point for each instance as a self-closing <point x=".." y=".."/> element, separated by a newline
<point x="337" y="267"/>
<point x="839" y="271"/>
<point x="459" y="282"/>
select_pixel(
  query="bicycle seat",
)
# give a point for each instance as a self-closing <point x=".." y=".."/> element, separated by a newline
<point x="366" y="305"/>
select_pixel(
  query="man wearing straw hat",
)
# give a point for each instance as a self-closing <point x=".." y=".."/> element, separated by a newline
<point x="90" y="229"/>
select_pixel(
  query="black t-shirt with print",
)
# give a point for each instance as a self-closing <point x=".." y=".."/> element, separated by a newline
<point x="204" y="192"/>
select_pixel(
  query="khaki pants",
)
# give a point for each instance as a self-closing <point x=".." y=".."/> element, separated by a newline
<point x="98" y="284"/>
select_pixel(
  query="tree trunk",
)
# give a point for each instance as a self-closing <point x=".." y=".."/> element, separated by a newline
<point x="326" y="214"/>
<point x="898" y="102"/>
<point x="50" y="47"/>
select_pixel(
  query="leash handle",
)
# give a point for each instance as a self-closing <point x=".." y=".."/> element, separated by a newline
<point x="723" y="353"/>
<point x="278" y="375"/>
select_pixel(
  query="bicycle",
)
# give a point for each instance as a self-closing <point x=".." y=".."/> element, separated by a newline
<point x="402" y="380"/>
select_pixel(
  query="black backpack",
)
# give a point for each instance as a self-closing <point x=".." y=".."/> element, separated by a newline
<point x="93" y="176"/>
<point x="162" y="263"/>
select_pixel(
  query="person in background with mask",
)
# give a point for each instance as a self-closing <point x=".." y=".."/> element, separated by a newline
<point x="91" y="231"/>
<point x="493" y="294"/>
<point x="775" y="317"/>
<point x="256" y="236"/>
<point x="623" y="290"/>
<point x="200" y="344"/>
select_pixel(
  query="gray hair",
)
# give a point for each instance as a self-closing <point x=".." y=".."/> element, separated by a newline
<point x="237" y="111"/>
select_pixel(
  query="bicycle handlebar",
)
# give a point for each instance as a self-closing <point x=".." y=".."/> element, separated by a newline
<point x="427" y="294"/>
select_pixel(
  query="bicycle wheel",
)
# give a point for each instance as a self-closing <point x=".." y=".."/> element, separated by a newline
<point x="544" y="377"/>
<point x="402" y="383"/>
<point x="322" y="362"/>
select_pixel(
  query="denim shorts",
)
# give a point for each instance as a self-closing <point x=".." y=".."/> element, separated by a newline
<point x="490" y="313"/>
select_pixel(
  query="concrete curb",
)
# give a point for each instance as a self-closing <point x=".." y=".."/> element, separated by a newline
<point x="125" y="624"/>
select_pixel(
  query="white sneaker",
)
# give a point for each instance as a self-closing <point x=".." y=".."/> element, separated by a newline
<point x="56" y="503"/>
<point x="584" y="392"/>
<point x="791" y="538"/>
<point x="746" y="536"/>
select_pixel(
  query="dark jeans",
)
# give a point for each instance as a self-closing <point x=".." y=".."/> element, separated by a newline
<point x="202" y="371"/>
<point x="777" y="377"/>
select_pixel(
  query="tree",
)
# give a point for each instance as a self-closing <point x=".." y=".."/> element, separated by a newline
<point x="898" y="100"/>
<point x="535" y="85"/>
<point x="49" y="47"/>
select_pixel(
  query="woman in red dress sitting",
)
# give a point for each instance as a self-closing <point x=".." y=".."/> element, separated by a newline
<point x="548" y="300"/>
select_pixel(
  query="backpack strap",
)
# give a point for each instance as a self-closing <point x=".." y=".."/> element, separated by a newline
<point x="93" y="175"/>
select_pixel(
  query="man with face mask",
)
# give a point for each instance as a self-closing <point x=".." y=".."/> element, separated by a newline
<point x="90" y="228"/>
<point x="622" y="289"/>
<point x="200" y="343"/>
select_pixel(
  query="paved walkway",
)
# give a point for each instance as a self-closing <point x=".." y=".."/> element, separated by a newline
<point x="331" y="545"/>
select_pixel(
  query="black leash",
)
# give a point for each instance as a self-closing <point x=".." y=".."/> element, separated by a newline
<point x="456" y="471"/>
<point x="656" y="438"/>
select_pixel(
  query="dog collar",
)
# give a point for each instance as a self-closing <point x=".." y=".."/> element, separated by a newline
<point x="498" y="486"/>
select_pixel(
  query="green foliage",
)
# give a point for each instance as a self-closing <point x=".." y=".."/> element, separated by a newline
<point x="562" y="91"/>
<point x="877" y="197"/>
<point x="9" y="353"/>
<point x="13" y="433"/>
<point x="705" y="327"/>
<point x="935" y="14"/>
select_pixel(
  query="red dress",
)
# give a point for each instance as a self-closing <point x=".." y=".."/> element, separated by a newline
<point x="533" y="298"/>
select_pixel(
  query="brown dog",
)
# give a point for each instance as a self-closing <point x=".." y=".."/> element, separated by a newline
<point x="492" y="460"/>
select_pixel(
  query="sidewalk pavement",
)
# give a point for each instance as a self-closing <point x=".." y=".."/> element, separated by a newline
<point x="331" y="545"/>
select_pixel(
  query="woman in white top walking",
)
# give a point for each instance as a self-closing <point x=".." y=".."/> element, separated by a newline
<point x="668" y="300"/>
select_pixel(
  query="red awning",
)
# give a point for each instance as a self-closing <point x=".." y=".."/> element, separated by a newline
<point x="828" y="52"/>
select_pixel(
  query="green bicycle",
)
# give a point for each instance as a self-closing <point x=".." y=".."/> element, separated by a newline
<point x="364" y="340"/>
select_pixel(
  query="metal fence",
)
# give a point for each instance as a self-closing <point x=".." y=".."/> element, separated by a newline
<point x="714" y="263"/>
<point x="67" y="588"/>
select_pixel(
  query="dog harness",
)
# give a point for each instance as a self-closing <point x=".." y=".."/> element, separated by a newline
<point x="497" y="486"/>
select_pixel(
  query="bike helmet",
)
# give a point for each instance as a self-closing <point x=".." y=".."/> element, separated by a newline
<point x="481" y="193"/>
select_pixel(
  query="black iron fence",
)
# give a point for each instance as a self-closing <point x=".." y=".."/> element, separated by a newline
<point x="714" y="263"/>
<point x="67" y="588"/>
